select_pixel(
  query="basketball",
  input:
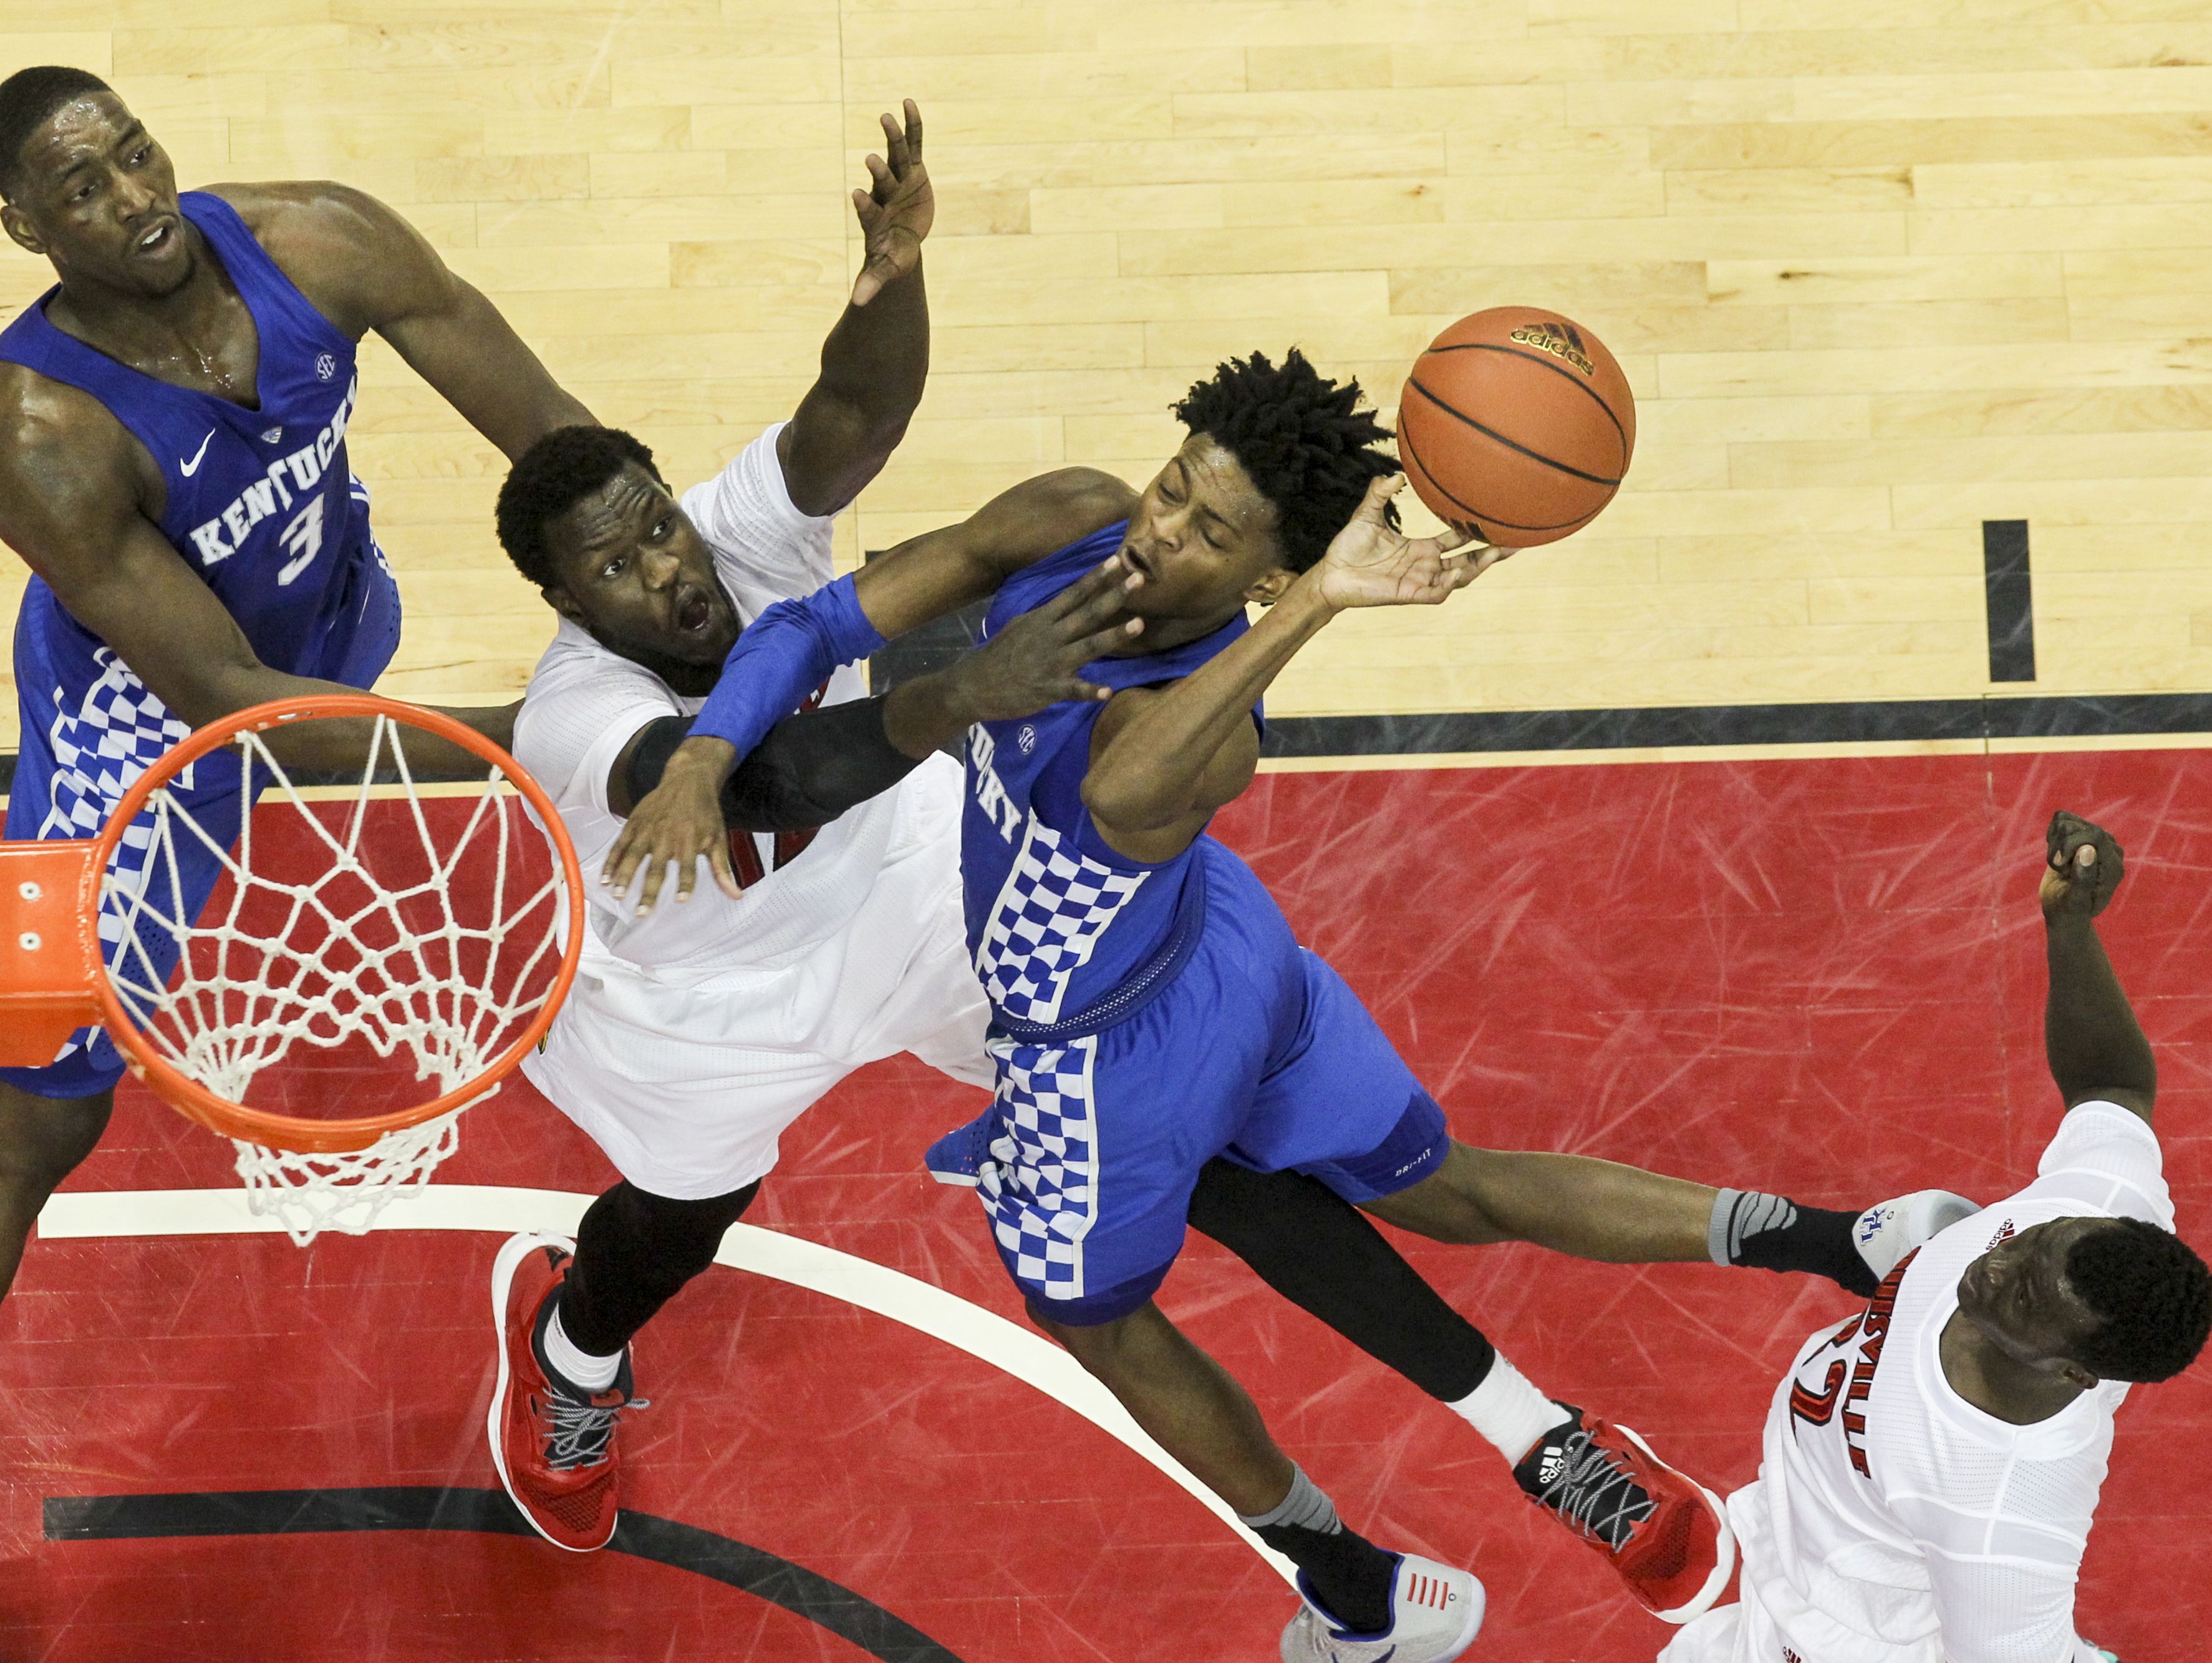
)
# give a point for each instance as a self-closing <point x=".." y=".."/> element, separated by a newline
<point x="1518" y="424"/>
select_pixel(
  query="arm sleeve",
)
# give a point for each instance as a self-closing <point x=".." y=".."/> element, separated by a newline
<point x="781" y="657"/>
<point x="810" y="769"/>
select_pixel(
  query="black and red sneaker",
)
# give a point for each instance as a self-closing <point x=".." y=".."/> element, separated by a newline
<point x="1666" y="1534"/>
<point x="553" y="1444"/>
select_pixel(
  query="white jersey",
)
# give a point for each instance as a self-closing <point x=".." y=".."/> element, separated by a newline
<point x="695" y="1035"/>
<point x="586" y="702"/>
<point x="1895" y="1522"/>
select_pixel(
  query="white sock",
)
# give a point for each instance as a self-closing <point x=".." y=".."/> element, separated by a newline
<point x="577" y="1366"/>
<point x="1509" y="1412"/>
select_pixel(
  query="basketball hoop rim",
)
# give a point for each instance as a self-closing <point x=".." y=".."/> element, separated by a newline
<point x="286" y="1132"/>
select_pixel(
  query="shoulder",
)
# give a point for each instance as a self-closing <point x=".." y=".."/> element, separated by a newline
<point x="1069" y="504"/>
<point x="55" y="438"/>
<point x="353" y="256"/>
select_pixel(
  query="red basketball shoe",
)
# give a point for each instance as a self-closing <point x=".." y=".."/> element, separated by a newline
<point x="554" y="1447"/>
<point x="1665" y="1534"/>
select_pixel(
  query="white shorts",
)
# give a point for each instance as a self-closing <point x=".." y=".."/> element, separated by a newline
<point x="1728" y="1634"/>
<point x="689" y="1089"/>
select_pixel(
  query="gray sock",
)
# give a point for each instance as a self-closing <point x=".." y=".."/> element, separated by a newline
<point x="1307" y="1506"/>
<point x="1738" y="1213"/>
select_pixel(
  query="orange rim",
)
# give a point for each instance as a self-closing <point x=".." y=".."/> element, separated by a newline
<point x="284" y="1131"/>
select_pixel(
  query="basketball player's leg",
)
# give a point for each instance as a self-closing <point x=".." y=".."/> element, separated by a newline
<point x="1572" y="1203"/>
<point x="1338" y="1103"/>
<point x="42" y="1140"/>
<point x="692" y="1124"/>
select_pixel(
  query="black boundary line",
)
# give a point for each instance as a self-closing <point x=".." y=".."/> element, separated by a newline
<point x="2008" y="600"/>
<point x="2000" y="716"/>
<point x="1458" y="414"/>
<point x="1693" y="726"/>
<point x="802" y="1592"/>
<point x="1545" y="359"/>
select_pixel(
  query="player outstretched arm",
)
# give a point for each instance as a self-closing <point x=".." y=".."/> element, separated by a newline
<point x="876" y="359"/>
<point x="365" y="268"/>
<point x="1162" y="760"/>
<point x="76" y="496"/>
<point x="2091" y="1038"/>
<point x="786" y="652"/>
<point x="813" y="767"/>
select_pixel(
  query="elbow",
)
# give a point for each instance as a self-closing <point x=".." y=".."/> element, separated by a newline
<point x="1114" y="799"/>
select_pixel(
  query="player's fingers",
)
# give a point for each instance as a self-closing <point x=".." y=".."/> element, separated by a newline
<point x="1379" y="490"/>
<point x="725" y="877"/>
<point x="687" y="877"/>
<point x="1103" y="578"/>
<point x="914" y="131"/>
<point x="1101" y="642"/>
<point x="656" y="873"/>
<point x="1103" y="596"/>
<point x="894" y="144"/>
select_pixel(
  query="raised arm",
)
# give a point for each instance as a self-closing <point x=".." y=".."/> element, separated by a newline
<point x="2095" y="1046"/>
<point x="1163" y="761"/>
<point x="73" y="490"/>
<point x="813" y="767"/>
<point x="876" y="359"/>
<point x="365" y="268"/>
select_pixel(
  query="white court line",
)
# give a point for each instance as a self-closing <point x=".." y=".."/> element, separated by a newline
<point x="1006" y="1346"/>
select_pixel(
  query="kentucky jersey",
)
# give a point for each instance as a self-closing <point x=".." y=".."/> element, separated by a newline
<point x="1146" y="1017"/>
<point x="262" y="506"/>
<point x="1056" y="920"/>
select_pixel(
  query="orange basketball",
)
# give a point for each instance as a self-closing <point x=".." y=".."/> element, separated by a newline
<point x="1518" y="424"/>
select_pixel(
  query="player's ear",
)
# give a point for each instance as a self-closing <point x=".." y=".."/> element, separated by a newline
<point x="565" y="604"/>
<point x="1270" y="588"/>
<point x="18" y="224"/>
<point x="2078" y="1377"/>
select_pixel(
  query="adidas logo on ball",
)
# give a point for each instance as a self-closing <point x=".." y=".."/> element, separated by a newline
<point x="1558" y="339"/>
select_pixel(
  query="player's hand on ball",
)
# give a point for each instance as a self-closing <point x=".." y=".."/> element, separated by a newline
<point x="2082" y="866"/>
<point x="1370" y="563"/>
<point x="678" y="820"/>
<point x="897" y="212"/>
<point x="1035" y="660"/>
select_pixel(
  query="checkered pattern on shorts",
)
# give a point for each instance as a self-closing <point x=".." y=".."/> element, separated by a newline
<point x="1055" y="905"/>
<point x="101" y="744"/>
<point x="1040" y="1184"/>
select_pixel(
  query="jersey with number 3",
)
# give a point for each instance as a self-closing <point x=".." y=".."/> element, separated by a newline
<point x="260" y="503"/>
<point x="1895" y="1522"/>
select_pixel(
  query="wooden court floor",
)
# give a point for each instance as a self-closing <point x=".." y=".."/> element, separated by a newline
<point x="1880" y="270"/>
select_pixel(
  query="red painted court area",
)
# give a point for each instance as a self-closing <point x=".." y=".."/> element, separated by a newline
<point x="1820" y="976"/>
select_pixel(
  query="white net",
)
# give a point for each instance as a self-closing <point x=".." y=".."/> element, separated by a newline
<point x="365" y="950"/>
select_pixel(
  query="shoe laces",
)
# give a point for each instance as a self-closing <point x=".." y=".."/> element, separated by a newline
<point x="582" y="1430"/>
<point x="1596" y="1494"/>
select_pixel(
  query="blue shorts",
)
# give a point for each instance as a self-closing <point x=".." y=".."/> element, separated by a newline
<point x="1257" y="1052"/>
<point x="84" y="746"/>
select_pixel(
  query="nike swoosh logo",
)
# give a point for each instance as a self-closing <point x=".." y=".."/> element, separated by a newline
<point x="188" y="469"/>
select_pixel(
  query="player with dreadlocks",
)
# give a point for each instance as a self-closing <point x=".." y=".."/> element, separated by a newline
<point x="1151" y="1014"/>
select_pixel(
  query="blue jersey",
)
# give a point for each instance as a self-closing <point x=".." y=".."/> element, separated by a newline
<point x="262" y="506"/>
<point x="1058" y="921"/>
<point x="261" y="503"/>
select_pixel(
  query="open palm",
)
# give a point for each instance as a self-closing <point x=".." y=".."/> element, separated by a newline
<point x="1370" y="564"/>
<point x="896" y="214"/>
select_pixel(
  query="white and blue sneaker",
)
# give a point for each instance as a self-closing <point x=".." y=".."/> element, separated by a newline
<point x="1435" y="1613"/>
<point x="1886" y="1233"/>
<point x="960" y="1156"/>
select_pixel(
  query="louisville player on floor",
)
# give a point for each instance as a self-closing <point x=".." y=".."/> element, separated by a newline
<point x="1151" y="1012"/>
<point x="172" y="469"/>
<point x="1931" y="1467"/>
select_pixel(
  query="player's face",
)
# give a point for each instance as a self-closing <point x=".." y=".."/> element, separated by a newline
<point x="2017" y="1294"/>
<point x="99" y="199"/>
<point x="635" y="572"/>
<point x="1204" y="537"/>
